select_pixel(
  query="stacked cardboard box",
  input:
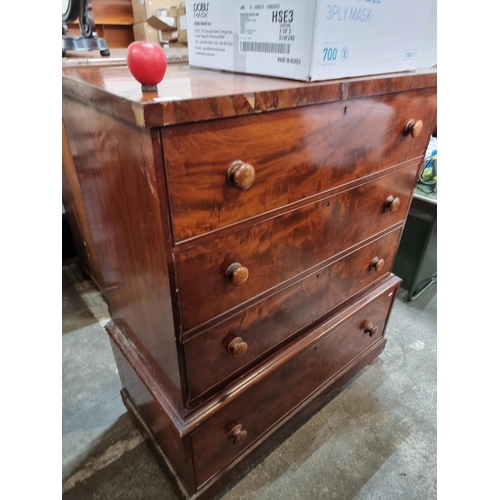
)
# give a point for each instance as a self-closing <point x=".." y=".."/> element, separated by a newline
<point x="160" y="21"/>
<point x="182" y="23"/>
<point x="311" y="41"/>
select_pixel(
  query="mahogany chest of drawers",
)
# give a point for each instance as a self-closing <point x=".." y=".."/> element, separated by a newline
<point x="245" y="229"/>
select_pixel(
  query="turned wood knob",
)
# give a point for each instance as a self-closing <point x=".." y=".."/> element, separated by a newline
<point x="237" y="347"/>
<point x="237" y="274"/>
<point x="240" y="175"/>
<point x="238" y="435"/>
<point x="414" y="128"/>
<point x="392" y="204"/>
<point x="377" y="264"/>
<point x="370" y="329"/>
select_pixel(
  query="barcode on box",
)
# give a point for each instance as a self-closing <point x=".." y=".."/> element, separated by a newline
<point x="266" y="47"/>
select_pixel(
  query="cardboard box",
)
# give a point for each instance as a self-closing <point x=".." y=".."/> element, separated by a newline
<point x="160" y="27"/>
<point x="167" y="36"/>
<point x="309" y="41"/>
<point x="144" y="9"/>
<point x="182" y="23"/>
<point x="143" y="31"/>
<point x="164" y="19"/>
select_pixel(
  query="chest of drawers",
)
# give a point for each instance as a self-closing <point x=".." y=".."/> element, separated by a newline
<point x="245" y="230"/>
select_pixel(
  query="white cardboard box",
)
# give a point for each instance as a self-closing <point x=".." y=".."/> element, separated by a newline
<point x="307" y="40"/>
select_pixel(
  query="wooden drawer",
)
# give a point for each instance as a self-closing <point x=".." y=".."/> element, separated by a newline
<point x="295" y="154"/>
<point x="229" y="347"/>
<point x="282" y="247"/>
<point x="290" y="380"/>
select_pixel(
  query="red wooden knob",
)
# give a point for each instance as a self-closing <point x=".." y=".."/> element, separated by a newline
<point x="148" y="63"/>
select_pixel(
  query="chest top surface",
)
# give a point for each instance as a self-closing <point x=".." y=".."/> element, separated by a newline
<point x="189" y="94"/>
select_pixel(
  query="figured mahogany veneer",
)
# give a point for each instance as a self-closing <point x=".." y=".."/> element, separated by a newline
<point x="267" y="323"/>
<point x="225" y="434"/>
<point x="287" y="387"/>
<point x="243" y="231"/>
<point x="291" y="155"/>
<point x="280" y="248"/>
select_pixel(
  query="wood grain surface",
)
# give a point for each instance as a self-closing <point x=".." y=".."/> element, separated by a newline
<point x="280" y="248"/>
<point x="310" y="150"/>
<point x="264" y="404"/>
<point x="245" y="228"/>
<point x="267" y="324"/>
<point x="116" y="171"/>
<point x="172" y="432"/>
<point x="188" y="95"/>
<point x="77" y="216"/>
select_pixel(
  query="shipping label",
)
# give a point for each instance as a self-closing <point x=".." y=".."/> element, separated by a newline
<point x="272" y="28"/>
<point x="209" y="38"/>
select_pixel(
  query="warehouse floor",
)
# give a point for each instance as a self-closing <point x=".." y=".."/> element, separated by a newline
<point x="375" y="440"/>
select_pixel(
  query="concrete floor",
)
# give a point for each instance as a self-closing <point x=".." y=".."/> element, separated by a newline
<point x="375" y="440"/>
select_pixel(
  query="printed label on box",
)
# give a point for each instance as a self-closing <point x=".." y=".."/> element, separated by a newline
<point x="341" y="23"/>
<point x="270" y="29"/>
<point x="209" y="39"/>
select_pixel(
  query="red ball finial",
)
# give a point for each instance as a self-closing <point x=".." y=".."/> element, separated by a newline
<point x="148" y="63"/>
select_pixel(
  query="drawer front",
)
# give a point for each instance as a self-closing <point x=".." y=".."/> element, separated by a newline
<point x="211" y="277"/>
<point x="294" y="154"/>
<point x="220" y="439"/>
<point x="227" y="348"/>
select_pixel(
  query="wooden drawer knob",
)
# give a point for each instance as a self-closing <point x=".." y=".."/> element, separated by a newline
<point x="240" y="175"/>
<point x="237" y="274"/>
<point x="392" y="204"/>
<point x="237" y="347"/>
<point x="238" y="435"/>
<point x="377" y="264"/>
<point x="370" y="329"/>
<point x="414" y="128"/>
